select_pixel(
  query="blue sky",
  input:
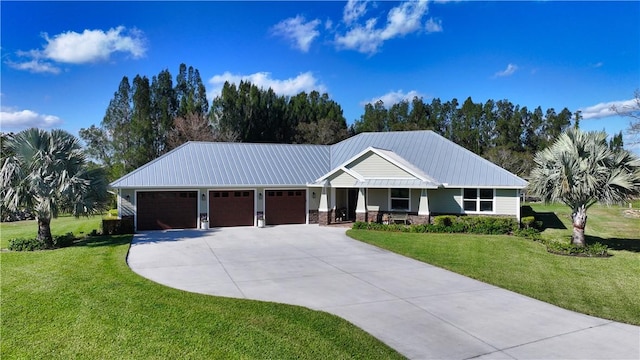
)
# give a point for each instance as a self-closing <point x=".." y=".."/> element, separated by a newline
<point x="62" y="61"/>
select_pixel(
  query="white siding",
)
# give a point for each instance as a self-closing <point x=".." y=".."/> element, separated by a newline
<point x="377" y="199"/>
<point x="314" y="204"/>
<point x="127" y="207"/>
<point x="506" y="202"/>
<point x="447" y="201"/>
<point x="375" y="166"/>
<point x="342" y="179"/>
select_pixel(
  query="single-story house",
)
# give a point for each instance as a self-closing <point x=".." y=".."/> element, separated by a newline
<point x="412" y="174"/>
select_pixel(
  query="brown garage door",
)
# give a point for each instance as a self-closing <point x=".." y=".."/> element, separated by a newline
<point x="157" y="210"/>
<point x="231" y="208"/>
<point x="285" y="207"/>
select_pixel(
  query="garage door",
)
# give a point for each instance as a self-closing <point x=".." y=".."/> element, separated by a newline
<point x="158" y="210"/>
<point x="285" y="207"/>
<point x="231" y="208"/>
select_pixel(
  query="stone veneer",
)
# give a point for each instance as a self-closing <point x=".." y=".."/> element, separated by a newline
<point x="313" y="217"/>
<point x="324" y="217"/>
<point x="362" y="217"/>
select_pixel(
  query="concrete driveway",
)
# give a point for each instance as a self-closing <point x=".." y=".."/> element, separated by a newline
<point x="422" y="311"/>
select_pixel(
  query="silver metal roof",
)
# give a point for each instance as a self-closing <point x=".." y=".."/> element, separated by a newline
<point x="443" y="160"/>
<point x="201" y="164"/>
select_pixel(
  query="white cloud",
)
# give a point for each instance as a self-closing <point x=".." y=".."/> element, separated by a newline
<point x="79" y="48"/>
<point x="404" y="19"/>
<point x="401" y="20"/>
<point x="35" y="66"/>
<point x="603" y="110"/>
<point x="301" y="33"/>
<point x="287" y="87"/>
<point x="363" y="39"/>
<point x="394" y="97"/>
<point x="354" y="10"/>
<point x="22" y="119"/>
<point x="433" y="26"/>
<point x="510" y="70"/>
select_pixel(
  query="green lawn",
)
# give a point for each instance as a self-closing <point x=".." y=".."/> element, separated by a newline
<point x="603" y="287"/>
<point x="59" y="226"/>
<point x="84" y="302"/>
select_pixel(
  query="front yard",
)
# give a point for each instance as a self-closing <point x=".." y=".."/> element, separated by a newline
<point x="603" y="287"/>
<point x="84" y="302"/>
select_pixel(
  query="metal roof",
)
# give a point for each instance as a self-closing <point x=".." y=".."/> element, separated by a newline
<point x="202" y="164"/>
<point x="443" y="160"/>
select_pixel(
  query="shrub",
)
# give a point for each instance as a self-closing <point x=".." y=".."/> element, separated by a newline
<point x="530" y="233"/>
<point x="566" y="248"/>
<point x="33" y="244"/>
<point x="528" y="222"/>
<point x="488" y="225"/>
<point x="21" y="244"/>
<point x="450" y="224"/>
<point x="444" y="220"/>
<point x="61" y="241"/>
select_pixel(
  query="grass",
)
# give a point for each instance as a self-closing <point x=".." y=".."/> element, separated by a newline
<point x="604" y="287"/>
<point x="59" y="226"/>
<point x="84" y="302"/>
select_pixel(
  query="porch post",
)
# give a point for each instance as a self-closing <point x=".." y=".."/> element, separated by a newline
<point x="423" y="208"/>
<point x="361" y="208"/>
<point x="324" y="217"/>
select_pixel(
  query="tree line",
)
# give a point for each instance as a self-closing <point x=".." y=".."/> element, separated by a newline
<point x="148" y="117"/>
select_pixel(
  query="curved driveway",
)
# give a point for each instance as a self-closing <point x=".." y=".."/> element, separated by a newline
<point x="422" y="311"/>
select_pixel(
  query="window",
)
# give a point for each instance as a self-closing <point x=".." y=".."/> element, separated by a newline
<point x="477" y="200"/>
<point x="400" y="199"/>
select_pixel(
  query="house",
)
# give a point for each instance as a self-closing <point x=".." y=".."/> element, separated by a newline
<point x="417" y="174"/>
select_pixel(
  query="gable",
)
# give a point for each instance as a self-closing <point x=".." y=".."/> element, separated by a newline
<point x="341" y="179"/>
<point x="374" y="166"/>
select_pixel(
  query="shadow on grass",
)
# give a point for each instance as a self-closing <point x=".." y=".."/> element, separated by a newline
<point x="104" y="240"/>
<point x="549" y="220"/>
<point x="616" y="243"/>
<point x="155" y="236"/>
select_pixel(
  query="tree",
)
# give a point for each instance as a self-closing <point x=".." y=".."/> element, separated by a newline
<point x="579" y="169"/>
<point x="195" y="127"/>
<point x="632" y="112"/>
<point x="47" y="173"/>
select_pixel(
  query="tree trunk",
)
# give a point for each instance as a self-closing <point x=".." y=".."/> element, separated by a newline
<point x="579" y="218"/>
<point x="44" y="232"/>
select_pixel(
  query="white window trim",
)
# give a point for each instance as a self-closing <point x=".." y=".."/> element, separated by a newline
<point x="477" y="199"/>
<point x="397" y="198"/>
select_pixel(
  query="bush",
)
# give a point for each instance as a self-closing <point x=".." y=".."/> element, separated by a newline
<point x="530" y="233"/>
<point x="488" y="225"/>
<point x="528" y="222"/>
<point x="33" y="244"/>
<point x="566" y="248"/>
<point x="21" y="244"/>
<point x="444" y="220"/>
<point x="450" y="224"/>
<point x="61" y="241"/>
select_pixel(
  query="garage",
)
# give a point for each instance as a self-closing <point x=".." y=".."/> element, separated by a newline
<point x="285" y="207"/>
<point x="159" y="210"/>
<point x="231" y="208"/>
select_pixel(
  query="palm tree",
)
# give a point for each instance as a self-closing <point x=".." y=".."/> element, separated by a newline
<point x="48" y="174"/>
<point x="579" y="169"/>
